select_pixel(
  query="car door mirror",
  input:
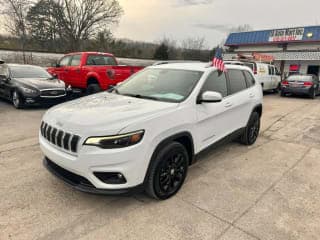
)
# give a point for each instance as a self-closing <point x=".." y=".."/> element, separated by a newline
<point x="210" y="97"/>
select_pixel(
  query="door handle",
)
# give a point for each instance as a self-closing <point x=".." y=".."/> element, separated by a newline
<point x="228" y="104"/>
<point x="251" y="95"/>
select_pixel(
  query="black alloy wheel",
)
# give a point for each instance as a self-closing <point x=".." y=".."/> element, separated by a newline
<point x="252" y="130"/>
<point x="168" y="171"/>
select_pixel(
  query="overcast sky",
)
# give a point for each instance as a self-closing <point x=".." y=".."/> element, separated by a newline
<point x="151" y="20"/>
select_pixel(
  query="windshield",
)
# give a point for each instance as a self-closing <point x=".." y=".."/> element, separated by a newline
<point x="28" y="72"/>
<point x="299" y="78"/>
<point x="161" y="84"/>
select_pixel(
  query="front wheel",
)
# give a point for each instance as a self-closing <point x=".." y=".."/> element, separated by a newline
<point x="17" y="100"/>
<point x="168" y="171"/>
<point x="251" y="132"/>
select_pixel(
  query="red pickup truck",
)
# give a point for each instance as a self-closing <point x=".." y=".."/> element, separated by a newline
<point x="91" y="71"/>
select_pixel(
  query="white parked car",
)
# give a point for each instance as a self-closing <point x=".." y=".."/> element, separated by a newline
<point x="266" y="74"/>
<point x="146" y="133"/>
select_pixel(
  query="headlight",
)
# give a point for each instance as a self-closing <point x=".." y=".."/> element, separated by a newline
<point x="28" y="90"/>
<point x="118" y="141"/>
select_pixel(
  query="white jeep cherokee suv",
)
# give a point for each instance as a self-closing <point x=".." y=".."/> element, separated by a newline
<point x="146" y="133"/>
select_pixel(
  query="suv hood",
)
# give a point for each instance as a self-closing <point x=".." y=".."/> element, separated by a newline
<point x="104" y="113"/>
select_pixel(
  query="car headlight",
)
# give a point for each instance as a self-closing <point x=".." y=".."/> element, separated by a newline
<point x="118" y="141"/>
<point x="28" y="90"/>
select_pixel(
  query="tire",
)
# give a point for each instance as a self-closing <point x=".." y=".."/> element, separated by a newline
<point x="282" y="94"/>
<point x="312" y="94"/>
<point x="276" y="90"/>
<point x="168" y="171"/>
<point x="251" y="132"/>
<point x="17" y="100"/>
<point x="93" y="88"/>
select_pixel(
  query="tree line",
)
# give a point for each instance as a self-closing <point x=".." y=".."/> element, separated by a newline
<point x="84" y="25"/>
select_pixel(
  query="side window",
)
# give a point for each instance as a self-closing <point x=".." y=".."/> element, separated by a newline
<point x="249" y="78"/>
<point x="216" y="83"/>
<point x="65" y="61"/>
<point x="237" y="81"/>
<point x="75" y="61"/>
<point x="100" y="60"/>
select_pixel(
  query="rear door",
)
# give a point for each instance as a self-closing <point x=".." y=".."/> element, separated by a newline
<point x="239" y="101"/>
<point x="102" y="65"/>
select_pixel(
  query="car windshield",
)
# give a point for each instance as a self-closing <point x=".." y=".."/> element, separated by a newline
<point x="299" y="78"/>
<point x="28" y="72"/>
<point x="168" y="85"/>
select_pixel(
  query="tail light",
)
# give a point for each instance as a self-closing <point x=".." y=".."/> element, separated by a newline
<point x="308" y="84"/>
<point x="255" y="71"/>
<point x="285" y="82"/>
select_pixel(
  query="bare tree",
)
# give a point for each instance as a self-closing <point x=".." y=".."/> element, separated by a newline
<point x="15" y="12"/>
<point x="82" y="19"/>
<point x="192" y="48"/>
<point x="197" y="43"/>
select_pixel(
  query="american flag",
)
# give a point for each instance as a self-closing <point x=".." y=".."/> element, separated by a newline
<point x="218" y="61"/>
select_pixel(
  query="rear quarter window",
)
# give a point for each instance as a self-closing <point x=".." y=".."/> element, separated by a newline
<point x="250" y="79"/>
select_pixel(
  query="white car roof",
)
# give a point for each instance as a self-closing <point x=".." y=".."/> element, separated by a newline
<point x="203" y="67"/>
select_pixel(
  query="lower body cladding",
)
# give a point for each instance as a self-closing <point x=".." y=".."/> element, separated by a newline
<point x="96" y="170"/>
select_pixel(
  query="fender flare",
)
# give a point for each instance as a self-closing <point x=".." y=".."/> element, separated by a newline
<point x="167" y="140"/>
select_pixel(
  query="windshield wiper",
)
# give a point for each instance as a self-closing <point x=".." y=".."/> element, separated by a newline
<point x="141" y="96"/>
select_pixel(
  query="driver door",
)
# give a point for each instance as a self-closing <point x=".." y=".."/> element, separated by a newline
<point x="62" y="70"/>
<point x="211" y="117"/>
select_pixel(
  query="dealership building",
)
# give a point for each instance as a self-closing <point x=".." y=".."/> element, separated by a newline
<point x="293" y="50"/>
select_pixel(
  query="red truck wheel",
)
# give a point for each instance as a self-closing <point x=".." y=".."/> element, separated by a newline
<point x="93" y="88"/>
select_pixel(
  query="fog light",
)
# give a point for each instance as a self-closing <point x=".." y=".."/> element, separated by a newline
<point x="111" y="177"/>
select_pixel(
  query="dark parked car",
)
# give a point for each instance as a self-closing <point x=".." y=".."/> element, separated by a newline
<point x="28" y="84"/>
<point x="301" y="85"/>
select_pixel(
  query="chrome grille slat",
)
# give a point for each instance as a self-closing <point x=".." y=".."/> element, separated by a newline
<point x="59" y="138"/>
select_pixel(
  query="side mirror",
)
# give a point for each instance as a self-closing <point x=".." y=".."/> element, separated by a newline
<point x="210" y="97"/>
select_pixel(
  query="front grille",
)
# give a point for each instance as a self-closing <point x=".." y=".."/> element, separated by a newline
<point x="53" y="93"/>
<point x="64" y="140"/>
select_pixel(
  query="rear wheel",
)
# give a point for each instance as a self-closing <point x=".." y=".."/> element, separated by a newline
<point x="252" y="130"/>
<point x="168" y="171"/>
<point x="17" y="100"/>
<point x="93" y="88"/>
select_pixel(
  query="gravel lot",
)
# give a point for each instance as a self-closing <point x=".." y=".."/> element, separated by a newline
<point x="268" y="191"/>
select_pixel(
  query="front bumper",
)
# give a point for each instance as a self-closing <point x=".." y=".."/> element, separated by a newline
<point x="44" y="101"/>
<point x="131" y="162"/>
<point x="82" y="184"/>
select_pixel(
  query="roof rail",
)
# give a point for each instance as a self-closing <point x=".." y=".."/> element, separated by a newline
<point x="173" y="61"/>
